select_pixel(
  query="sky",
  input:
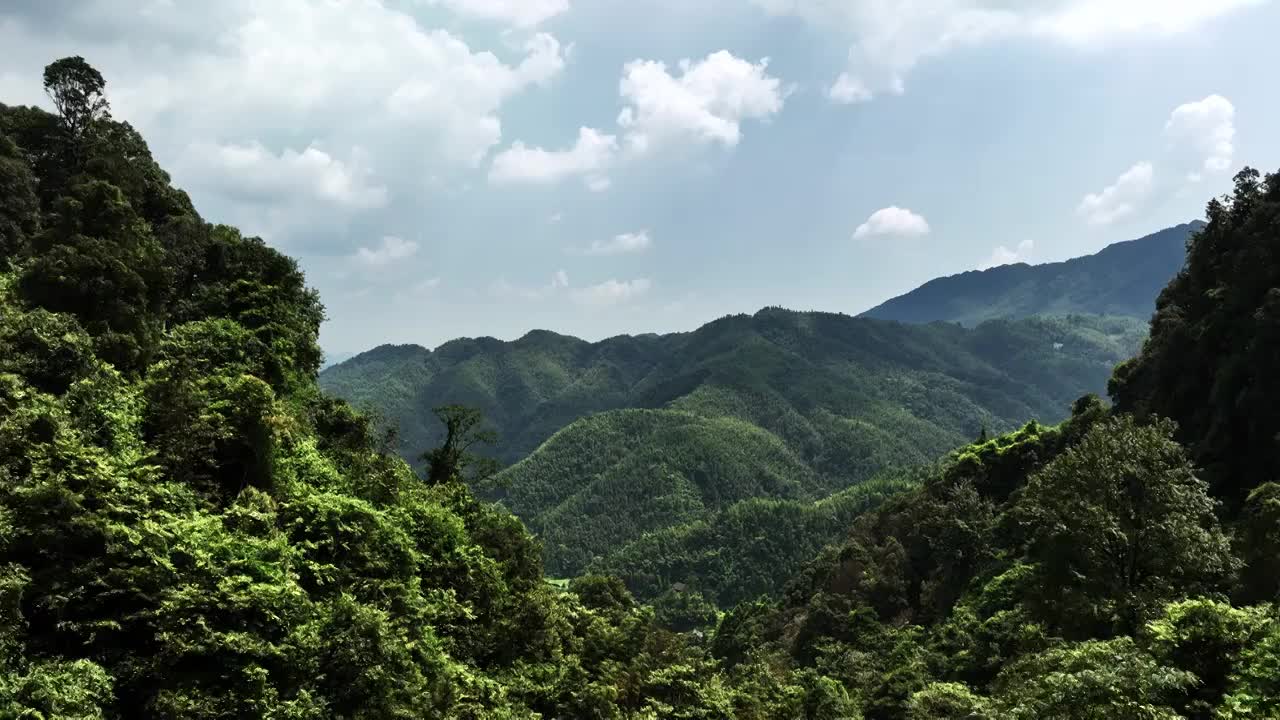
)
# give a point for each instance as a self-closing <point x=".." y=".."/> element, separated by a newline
<point x="448" y="168"/>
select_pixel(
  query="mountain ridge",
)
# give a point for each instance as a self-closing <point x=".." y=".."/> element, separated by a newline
<point x="610" y="442"/>
<point x="839" y="398"/>
<point x="1123" y="278"/>
<point x="551" y="369"/>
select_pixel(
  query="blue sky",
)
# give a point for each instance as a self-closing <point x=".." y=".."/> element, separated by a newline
<point x="485" y="167"/>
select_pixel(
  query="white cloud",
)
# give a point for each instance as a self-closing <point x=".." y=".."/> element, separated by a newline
<point x="894" y="221"/>
<point x="611" y="292"/>
<point x="1201" y="137"/>
<point x="503" y="289"/>
<point x="848" y="90"/>
<point x="1096" y="21"/>
<point x="463" y="106"/>
<point x="359" y="66"/>
<point x="1004" y="256"/>
<point x="391" y="249"/>
<point x="624" y="244"/>
<point x="889" y="38"/>
<point x="1120" y="199"/>
<point x="588" y="158"/>
<point x="707" y="102"/>
<point x="258" y="107"/>
<point x="1207" y="129"/>
<point x="251" y="170"/>
<point x="522" y="13"/>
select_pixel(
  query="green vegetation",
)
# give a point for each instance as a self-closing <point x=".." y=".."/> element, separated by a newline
<point x="799" y="406"/>
<point x="1213" y="339"/>
<point x="1087" y="570"/>
<point x="191" y="529"/>
<point x="849" y="396"/>
<point x="745" y="551"/>
<point x="1123" y="279"/>
<point x="644" y="470"/>
<point x="779" y="406"/>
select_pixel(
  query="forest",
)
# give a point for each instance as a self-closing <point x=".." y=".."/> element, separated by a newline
<point x="806" y="414"/>
<point x="912" y="391"/>
<point x="191" y="528"/>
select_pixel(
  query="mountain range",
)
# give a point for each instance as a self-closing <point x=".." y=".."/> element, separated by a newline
<point x="1122" y="279"/>
<point x="650" y="449"/>
<point x="607" y="442"/>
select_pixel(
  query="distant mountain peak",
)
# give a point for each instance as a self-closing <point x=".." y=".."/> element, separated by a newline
<point x="1121" y="279"/>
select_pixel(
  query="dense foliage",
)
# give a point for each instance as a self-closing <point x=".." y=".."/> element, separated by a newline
<point x="1215" y="343"/>
<point x="1092" y="570"/>
<point x="190" y="529"/>
<point x="1122" y="279"/>
<point x="748" y="549"/>
<point x="779" y="406"/>
<point x="847" y="395"/>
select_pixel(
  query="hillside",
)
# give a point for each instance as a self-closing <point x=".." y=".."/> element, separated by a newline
<point x="637" y="435"/>
<point x="527" y="389"/>
<point x="774" y="369"/>
<point x="750" y="549"/>
<point x="1121" y="279"/>
<point x="1119" y="565"/>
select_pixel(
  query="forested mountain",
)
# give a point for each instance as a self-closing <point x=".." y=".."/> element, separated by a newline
<point x="1121" y="279"/>
<point x="839" y="391"/>
<point x="796" y="406"/>
<point x="1121" y="565"/>
<point x="191" y="529"/>
<point x="780" y="405"/>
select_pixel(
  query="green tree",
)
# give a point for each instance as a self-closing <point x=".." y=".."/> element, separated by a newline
<point x="76" y="690"/>
<point x="454" y="460"/>
<point x="48" y="350"/>
<point x="1259" y="545"/>
<point x="684" y="611"/>
<point x="208" y="415"/>
<point x="1206" y="638"/>
<point x="19" y="204"/>
<point x="222" y="274"/>
<point x="948" y="701"/>
<point x="1215" y="325"/>
<point x="602" y="592"/>
<point x="1118" y="526"/>
<point x="99" y="262"/>
<point x="826" y="699"/>
<point x="1090" y="681"/>
<point x="78" y="92"/>
<point x="1254" y="689"/>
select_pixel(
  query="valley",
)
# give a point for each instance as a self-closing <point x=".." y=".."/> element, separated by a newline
<point x="609" y="443"/>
